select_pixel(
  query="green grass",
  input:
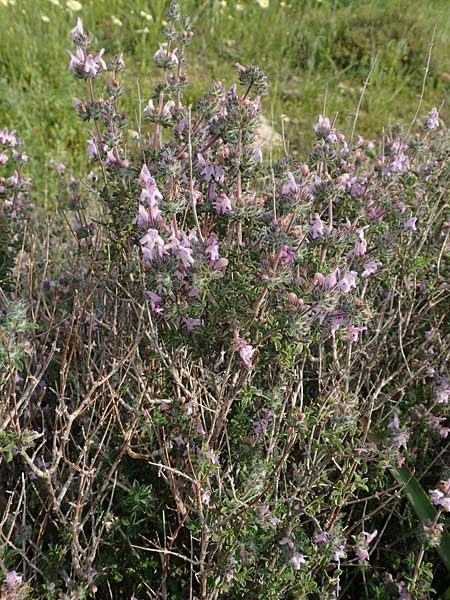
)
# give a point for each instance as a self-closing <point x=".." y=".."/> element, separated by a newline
<point x="311" y="50"/>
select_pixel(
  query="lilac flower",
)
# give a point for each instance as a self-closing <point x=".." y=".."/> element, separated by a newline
<point x="365" y="538"/>
<point x="200" y="430"/>
<point x="89" y="65"/>
<point x="92" y="149"/>
<point x="287" y="254"/>
<point x="181" y="248"/>
<point x="353" y="332"/>
<point x="441" y="497"/>
<point x="400" y="164"/>
<point x="442" y="390"/>
<point x="167" y="109"/>
<point x="257" y="153"/>
<point x="403" y="592"/>
<point x="155" y="302"/>
<point x="180" y="441"/>
<point x="213" y="248"/>
<point x="360" y="247"/>
<point x="348" y="281"/>
<point x="13" y="580"/>
<point x="206" y="497"/>
<point x="432" y="119"/>
<point x="263" y="510"/>
<point x="208" y="168"/>
<point x="192" y="324"/>
<point x="3" y="158"/>
<point x="110" y="158"/>
<point x="260" y="426"/>
<point x="145" y="176"/>
<point x="221" y="263"/>
<point x="323" y="127"/>
<point x="77" y="31"/>
<point x="8" y="139"/>
<point x="245" y="350"/>
<point x="316" y="226"/>
<point x="337" y="319"/>
<point x="150" y="197"/>
<point x="160" y="55"/>
<point x="212" y="456"/>
<point x="362" y="554"/>
<point x="153" y="245"/>
<point x="143" y="218"/>
<point x="150" y="108"/>
<point x="165" y="59"/>
<point x="394" y="424"/>
<point x="297" y="560"/>
<point x="222" y="204"/>
<point x="287" y="542"/>
<point x="401" y="439"/>
<point x="330" y="281"/>
<point x="410" y="224"/>
<point x="290" y="187"/>
<point x="370" y="267"/>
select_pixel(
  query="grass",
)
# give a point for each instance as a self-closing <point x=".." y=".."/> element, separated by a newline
<point x="317" y="55"/>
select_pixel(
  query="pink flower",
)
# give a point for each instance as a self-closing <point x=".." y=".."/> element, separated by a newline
<point x="213" y="248"/>
<point x="221" y="263"/>
<point x="297" y="560"/>
<point x="410" y="224"/>
<point x="370" y="267"/>
<point x="143" y="218"/>
<point x="212" y="456"/>
<point x="192" y="324"/>
<point x="245" y="350"/>
<point x="441" y="497"/>
<point x="151" y="198"/>
<point x="360" y="247"/>
<point x="442" y="390"/>
<point x="246" y="353"/>
<point x="153" y="245"/>
<point x="78" y="30"/>
<point x="222" y="204"/>
<point x="394" y="424"/>
<point x="200" y="430"/>
<point x="12" y="580"/>
<point x="92" y="149"/>
<point x="353" y="332"/>
<point x="257" y="152"/>
<point x="155" y="302"/>
<point x="290" y="187"/>
<point x="362" y="554"/>
<point x="206" y="497"/>
<point x="316" y="226"/>
<point x="287" y="542"/>
<point x="432" y="120"/>
<point x="322" y="127"/>
<point x="365" y="538"/>
<point x="144" y="175"/>
<point x="348" y="281"/>
<point x="400" y="439"/>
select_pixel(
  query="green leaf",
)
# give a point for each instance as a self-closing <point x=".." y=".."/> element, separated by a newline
<point x="422" y="506"/>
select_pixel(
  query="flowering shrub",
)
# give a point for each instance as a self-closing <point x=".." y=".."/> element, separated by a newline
<point x="240" y="356"/>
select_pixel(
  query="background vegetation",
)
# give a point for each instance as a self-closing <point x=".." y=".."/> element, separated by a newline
<point x="314" y="52"/>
